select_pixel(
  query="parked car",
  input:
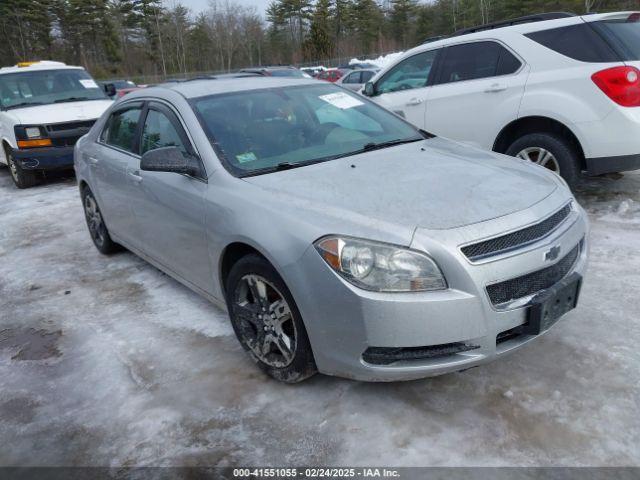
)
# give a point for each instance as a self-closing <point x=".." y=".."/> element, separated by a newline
<point x="44" y="108"/>
<point x="313" y="71"/>
<point x="358" y="66"/>
<point x="339" y="237"/>
<point x="356" y="79"/>
<point x="560" y="90"/>
<point x="119" y="88"/>
<point x="332" y="74"/>
<point x="278" y="71"/>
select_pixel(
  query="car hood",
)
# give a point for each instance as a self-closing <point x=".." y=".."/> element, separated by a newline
<point x="435" y="184"/>
<point x="61" y="112"/>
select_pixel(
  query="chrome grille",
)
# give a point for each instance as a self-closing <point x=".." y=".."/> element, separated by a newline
<point x="534" y="282"/>
<point x="517" y="239"/>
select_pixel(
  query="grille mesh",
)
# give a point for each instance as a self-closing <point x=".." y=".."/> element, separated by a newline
<point x="532" y="282"/>
<point x="58" y="127"/>
<point x="516" y="239"/>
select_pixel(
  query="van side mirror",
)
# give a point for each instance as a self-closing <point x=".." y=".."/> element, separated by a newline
<point x="170" y="159"/>
<point x="109" y="89"/>
<point x="369" y="89"/>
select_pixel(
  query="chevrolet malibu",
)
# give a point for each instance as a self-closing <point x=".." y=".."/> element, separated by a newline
<point x="339" y="238"/>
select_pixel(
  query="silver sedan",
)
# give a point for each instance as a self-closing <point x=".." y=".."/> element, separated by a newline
<point x="340" y="238"/>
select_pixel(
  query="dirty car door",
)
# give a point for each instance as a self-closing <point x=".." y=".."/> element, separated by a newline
<point x="169" y="208"/>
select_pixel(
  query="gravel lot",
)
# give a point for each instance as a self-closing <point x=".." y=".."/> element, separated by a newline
<point x="106" y="361"/>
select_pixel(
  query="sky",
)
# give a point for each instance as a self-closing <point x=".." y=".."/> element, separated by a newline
<point x="200" y="5"/>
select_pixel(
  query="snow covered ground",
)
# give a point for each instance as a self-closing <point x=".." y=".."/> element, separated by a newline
<point x="106" y="361"/>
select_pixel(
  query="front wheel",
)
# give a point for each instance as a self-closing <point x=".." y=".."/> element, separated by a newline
<point x="21" y="178"/>
<point x="267" y="322"/>
<point x="549" y="151"/>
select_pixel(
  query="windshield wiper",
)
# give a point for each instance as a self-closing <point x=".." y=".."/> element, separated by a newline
<point x="391" y="143"/>
<point x="72" y="99"/>
<point x="23" y="104"/>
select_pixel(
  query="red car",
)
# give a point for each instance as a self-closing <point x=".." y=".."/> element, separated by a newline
<point x="332" y="75"/>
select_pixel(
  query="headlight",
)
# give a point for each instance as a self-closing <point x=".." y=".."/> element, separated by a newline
<point x="379" y="266"/>
<point x="33" y="132"/>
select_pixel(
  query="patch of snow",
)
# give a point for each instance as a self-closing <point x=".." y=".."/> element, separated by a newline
<point x="149" y="373"/>
<point x="381" y="62"/>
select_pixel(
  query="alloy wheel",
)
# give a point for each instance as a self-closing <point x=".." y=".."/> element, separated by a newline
<point x="542" y="157"/>
<point x="264" y="321"/>
<point x="94" y="219"/>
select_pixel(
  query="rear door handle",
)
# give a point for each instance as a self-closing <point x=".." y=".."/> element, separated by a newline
<point x="496" y="87"/>
<point x="135" y="177"/>
<point x="92" y="160"/>
<point x="414" y="101"/>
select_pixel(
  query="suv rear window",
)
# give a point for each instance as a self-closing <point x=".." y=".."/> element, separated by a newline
<point x="580" y="42"/>
<point x="472" y="61"/>
<point x="623" y="35"/>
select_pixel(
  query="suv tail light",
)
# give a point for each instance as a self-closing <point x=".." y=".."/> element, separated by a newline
<point x="620" y="84"/>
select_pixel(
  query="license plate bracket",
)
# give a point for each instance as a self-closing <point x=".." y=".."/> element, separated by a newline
<point x="549" y="306"/>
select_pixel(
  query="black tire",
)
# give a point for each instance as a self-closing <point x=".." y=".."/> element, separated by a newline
<point x="565" y="154"/>
<point x="95" y="223"/>
<point x="21" y="178"/>
<point x="301" y="365"/>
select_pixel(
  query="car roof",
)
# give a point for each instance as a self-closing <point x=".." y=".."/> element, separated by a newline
<point x="213" y="86"/>
<point x="38" y="66"/>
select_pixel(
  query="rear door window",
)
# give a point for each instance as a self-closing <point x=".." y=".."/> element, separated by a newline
<point x="579" y="42"/>
<point x="473" y="61"/>
<point x="121" y="128"/>
<point x="352" y="78"/>
<point x="623" y="35"/>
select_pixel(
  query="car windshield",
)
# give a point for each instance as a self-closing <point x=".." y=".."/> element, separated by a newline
<point x="264" y="130"/>
<point x="43" y="87"/>
<point x="623" y="34"/>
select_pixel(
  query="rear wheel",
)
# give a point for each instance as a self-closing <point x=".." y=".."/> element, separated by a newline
<point x="97" y="229"/>
<point x="550" y="151"/>
<point x="267" y="322"/>
<point x="21" y="178"/>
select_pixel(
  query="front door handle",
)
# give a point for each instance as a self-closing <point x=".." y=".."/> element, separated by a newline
<point x="496" y="87"/>
<point x="414" y="101"/>
<point x="135" y="178"/>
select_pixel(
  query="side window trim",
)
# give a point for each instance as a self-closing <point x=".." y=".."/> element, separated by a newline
<point x="437" y="81"/>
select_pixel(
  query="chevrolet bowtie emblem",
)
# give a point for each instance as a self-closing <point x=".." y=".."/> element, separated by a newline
<point x="552" y="254"/>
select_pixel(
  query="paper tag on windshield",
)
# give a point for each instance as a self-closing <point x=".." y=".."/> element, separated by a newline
<point x="246" y="157"/>
<point x="341" y="100"/>
<point x="88" y="83"/>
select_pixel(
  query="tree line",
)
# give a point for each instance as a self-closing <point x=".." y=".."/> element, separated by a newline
<point x="134" y="38"/>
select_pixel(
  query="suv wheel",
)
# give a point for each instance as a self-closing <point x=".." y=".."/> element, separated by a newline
<point x="97" y="228"/>
<point x="549" y="151"/>
<point x="267" y="322"/>
<point x="21" y="178"/>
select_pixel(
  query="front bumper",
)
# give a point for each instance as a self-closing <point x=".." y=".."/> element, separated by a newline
<point x="344" y="322"/>
<point x="49" y="158"/>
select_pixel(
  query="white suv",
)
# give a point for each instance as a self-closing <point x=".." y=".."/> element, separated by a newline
<point x="45" y="107"/>
<point x="558" y="89"/>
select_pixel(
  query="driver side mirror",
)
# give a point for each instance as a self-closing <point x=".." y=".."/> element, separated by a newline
<point x="109" y="89"/>
<point x="170" y="159"/>
<point x="369" y="89"/>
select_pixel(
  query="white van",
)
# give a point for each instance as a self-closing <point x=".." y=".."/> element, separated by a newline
<point x="45" y="107"/>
